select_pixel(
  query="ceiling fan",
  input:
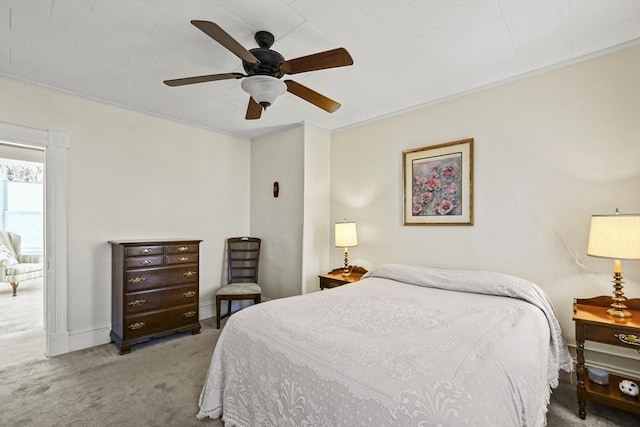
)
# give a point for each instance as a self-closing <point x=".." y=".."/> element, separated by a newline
<point x="265" y="67"/>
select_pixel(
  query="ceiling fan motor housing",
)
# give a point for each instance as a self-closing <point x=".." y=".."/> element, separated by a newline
<point x="270" y="60"/>
<point x="269" y="65"/>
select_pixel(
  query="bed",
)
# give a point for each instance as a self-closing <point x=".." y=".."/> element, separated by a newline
<point x="404" y="346"/>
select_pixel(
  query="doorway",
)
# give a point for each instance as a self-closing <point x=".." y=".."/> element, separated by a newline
<point x="22" y="334"/>
<point x="56" y="146"/>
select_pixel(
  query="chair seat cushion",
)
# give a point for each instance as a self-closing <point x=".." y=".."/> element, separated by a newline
<point x="23" y="268"/>
<point x="239" y="289"/>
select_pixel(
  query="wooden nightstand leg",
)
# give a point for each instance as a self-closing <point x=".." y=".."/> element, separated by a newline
<point x="581" y="376"/>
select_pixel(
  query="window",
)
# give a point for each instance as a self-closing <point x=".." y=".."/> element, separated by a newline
<point x="21" y="208"/>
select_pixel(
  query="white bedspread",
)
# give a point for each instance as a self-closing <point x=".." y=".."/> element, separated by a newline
<point x="394" y="349"/>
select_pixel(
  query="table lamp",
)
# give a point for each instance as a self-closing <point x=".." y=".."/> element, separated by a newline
<point x="616" y="237"/>
<point x="346" y="236"/>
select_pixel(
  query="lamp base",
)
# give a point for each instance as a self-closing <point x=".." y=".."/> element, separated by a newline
<point x="618" y="309"/>
<point x="346" y="270"/>
<point x="619" y="312"/>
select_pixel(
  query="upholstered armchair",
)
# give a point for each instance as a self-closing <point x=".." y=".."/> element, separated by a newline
<point x="15" y="266"/>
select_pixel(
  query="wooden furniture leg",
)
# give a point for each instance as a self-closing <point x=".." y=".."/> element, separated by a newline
<point x="581" y="376"/>
<point x="218" y="306"/>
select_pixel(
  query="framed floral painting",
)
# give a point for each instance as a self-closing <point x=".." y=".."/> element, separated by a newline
<point x="438" y="184"/>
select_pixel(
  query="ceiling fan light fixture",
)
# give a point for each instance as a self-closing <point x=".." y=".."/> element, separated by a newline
<point x="264" y="68"/>
<point x="263" y="89"/>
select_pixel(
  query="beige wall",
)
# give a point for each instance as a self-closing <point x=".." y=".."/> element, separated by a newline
<point x="278" y="221"/>
<point x="134" y="176"/>
<point x="293" y="226"/>
<point x="316" y="236"/>
<point x="550" y="150"/>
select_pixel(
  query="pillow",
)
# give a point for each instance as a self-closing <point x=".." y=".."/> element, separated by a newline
<point x="5" y="253"/>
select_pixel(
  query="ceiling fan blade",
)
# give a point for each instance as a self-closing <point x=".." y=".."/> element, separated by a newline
<point x="312" y="96"/>
<point x="202" y="79"/>
<point x="254" y="110"/>
<point x="221" y="36"/>
<point x="318" y="61"/>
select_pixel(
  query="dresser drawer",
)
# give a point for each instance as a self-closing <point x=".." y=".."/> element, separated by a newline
<point x="142" y="261"/>
<point x="143" y="250"/>
<point x="160" y="321"/>
<point x="182" y="248"/>
<point x="156" y="299"/>
<point x="138" y="280"/>
<point x="612" y="335"/>
<point x="185" y="258"/>
<point x="326" y="283"/>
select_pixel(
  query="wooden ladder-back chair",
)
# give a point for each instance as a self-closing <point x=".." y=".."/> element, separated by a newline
<point x="243" y="259"/>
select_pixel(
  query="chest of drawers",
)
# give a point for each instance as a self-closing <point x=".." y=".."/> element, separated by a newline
<point x="155" y="289"/>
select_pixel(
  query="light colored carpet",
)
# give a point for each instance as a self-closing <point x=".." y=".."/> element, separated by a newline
<point x="159" y="383"/>
<point x="24" y="311"/>
<point x="22" y="335"/>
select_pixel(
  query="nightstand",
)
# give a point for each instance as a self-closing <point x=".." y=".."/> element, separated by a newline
<point x="594" y="324"/>
<point x="334" y="278"/>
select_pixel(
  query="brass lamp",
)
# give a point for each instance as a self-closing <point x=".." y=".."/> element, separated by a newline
<point x="617" y="237"/>
<point x="346" y="236"/>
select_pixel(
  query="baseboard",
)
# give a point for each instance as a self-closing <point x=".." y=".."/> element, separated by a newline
<point x="608" y="361"/>
<point x="207" y="310"/>
<point x="90" y="338"/>
<point x="57" y="344"/>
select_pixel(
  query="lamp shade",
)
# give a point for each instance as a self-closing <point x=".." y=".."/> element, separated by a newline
<point x="615" y="236"/>
<point x="263" y="89"/>
<point x="346" y="234"/>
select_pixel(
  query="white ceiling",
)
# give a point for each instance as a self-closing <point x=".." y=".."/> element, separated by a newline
<point x="406" y="52"/>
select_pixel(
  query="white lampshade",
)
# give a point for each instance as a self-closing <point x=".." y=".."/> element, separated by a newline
<point x="346" y="234"/>
<point x="615" y="236"/>
<point x="263" y="89"/>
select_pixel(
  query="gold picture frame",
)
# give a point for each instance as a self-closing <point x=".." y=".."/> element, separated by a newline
<point x="438" y="184"/>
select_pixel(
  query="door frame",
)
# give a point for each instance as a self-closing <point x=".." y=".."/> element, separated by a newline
<point x="56" y="146"/>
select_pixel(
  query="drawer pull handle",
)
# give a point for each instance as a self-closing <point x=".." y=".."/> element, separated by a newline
<point x="189" y="314"/>
<point x="189" y="294"/>
<point x="137" y="325"/>
<point x="629" y="339"/>
<point x="137" y="280"/>
<point x="183" y="248"/>
<point x="137" y="303"/>
<point x="145" y="251"/>
<point x="189" y="273"/>
<point x="145" y="262"/>
<point x="183" y="259"/>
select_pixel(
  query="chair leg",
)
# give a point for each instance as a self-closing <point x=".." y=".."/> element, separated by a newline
<point x="228" y="307"/>
<point x="218" y="304"/>
<point x="14" y="285"/>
